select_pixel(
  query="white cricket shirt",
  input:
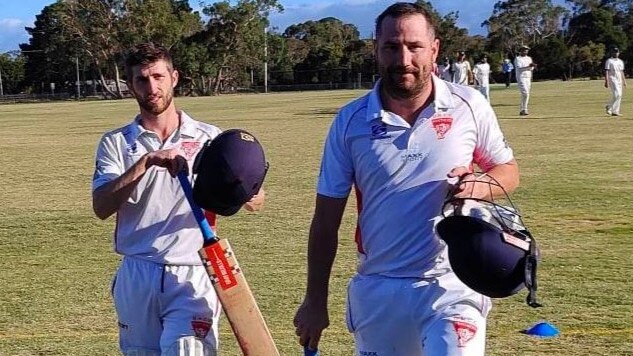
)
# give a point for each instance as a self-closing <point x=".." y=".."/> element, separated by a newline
<point x="461" y="70"/>
<point x="522" y="67"/>
<point x="156" y="222"/>
<point x="399" y="171"/>
<point x="614" y="68"/>
<point x="482" y="74"/>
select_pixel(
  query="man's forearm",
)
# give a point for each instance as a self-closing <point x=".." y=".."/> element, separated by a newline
<point x="322" y="247"/>
<point x="507" y="175"/>
<point x="107" y="199"/>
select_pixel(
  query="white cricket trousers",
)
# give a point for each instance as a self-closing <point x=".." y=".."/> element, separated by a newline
<point x="159" y="305"/>
<point x="435" y="315"/>
<point x="485" y="91"/>
<point x="525" y="85"/>
<point x="616" y="98"/>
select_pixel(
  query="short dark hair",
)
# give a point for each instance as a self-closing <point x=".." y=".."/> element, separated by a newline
<point x="144" y="54"/>
<point x="402" y="9"/>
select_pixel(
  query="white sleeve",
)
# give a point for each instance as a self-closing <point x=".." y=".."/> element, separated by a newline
<point x="108" y="164"/>
<point x="492" y="148"/>
<point x="337" y="172"/>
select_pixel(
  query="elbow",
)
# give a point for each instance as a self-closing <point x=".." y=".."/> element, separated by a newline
<point x="100" y="210"/>
<point x="100" y="213"/>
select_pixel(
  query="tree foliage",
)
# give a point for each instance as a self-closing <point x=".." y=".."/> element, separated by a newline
<point x="226" y="45"/>
<point x="523" y="22"/>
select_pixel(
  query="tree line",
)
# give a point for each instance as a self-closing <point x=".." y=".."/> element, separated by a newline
<point x="224" y="45"/>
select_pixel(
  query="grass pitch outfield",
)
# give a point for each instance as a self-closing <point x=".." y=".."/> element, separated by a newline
<point x="576" y="195"/>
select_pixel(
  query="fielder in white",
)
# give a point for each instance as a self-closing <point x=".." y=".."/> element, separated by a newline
<point x="524" y="66"/>
<point x="482" y="76"/>
<point x="445" y="70"/>
<point x="462" y="73"/>
<point x="397" y="147"/>
<point x="164" y="300"/>
<point x="614" y="79"/>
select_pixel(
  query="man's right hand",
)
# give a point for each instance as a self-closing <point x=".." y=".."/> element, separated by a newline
<point x="170" y="159"/>
<point x="310" y="321"/>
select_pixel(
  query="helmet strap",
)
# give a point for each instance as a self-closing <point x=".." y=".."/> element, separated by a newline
<point x="531" y="263"/>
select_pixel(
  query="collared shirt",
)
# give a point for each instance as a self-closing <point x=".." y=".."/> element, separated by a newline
<point x="156" y="222"/>
<point x="614" y="68"/>
<point x="522" y="66"/>
<point x="399" y="171"/>
<point x="482" y="74"/>
<point x="460" y="72"/>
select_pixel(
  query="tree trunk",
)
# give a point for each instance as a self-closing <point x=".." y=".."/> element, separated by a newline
<point x="216" y="87"/>
<point x="117" y="79"/>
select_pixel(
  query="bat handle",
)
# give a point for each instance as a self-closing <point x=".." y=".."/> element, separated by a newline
<point x="205" y="228"/>
<point x="308" y="352"/>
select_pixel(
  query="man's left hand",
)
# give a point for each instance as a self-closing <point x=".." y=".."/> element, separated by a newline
<point x="257" y="201"/>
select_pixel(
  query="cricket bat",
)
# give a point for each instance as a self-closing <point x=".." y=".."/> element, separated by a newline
<point x="229" y="283"/>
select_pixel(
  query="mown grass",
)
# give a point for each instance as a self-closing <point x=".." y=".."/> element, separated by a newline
<point x="576" y="195"/>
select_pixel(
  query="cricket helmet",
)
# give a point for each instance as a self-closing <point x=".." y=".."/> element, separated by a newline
<point x="489" y="248"/>
<point x="230" y="170"/>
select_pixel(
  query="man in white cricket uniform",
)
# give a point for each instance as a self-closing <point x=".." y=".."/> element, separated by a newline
<point x="398" y="146"/>
<point x="462" y="73"/>
<point x="482" y="76"/>
<point x="614" y="79"/>
<point x="445" y="70"/>
<point x="524" y="66"/>
<point x="163" y="297"/>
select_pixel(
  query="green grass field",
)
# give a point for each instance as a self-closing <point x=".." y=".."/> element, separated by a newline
<point x="576" y="195"/>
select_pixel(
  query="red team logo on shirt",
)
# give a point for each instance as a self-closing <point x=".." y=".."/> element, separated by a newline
<point x="442" y="125"/>
<point x="465" y="332"/>
<point x="189" y="148"/>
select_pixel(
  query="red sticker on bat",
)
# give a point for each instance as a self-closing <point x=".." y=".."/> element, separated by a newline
<point x="220" y="265"/>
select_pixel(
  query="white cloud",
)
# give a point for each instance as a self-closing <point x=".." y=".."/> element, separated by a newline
<point x="10" y="24"/>
<point x="13" y="34"/>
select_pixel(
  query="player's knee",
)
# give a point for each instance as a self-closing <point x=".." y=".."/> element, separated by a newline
<point x="190" y="346"/>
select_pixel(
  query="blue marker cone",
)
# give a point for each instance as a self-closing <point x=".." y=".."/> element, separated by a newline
<point x="308" y="352"/>
<point x="542" y="329"/>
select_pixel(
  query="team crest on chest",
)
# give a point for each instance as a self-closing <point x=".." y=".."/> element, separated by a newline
<point x="189" y="148"/>
<point x="441" y="125"/>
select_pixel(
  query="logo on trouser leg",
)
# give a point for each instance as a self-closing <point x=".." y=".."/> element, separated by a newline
<point x="201" y="327"/>
<point x="465" y="332"/>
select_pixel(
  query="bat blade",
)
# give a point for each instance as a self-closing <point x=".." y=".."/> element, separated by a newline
<point x="237" y="300"/>
<point x="231" y="287"/>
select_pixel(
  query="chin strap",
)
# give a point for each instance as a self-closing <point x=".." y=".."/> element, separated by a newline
<point x="531" y="263"/>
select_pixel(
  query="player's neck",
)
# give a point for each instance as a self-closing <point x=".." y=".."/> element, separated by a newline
<point x="410" y="108"/>
<point x="163" y="124"/>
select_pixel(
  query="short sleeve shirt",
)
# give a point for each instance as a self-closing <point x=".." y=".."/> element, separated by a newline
<point x="399" y="171"/>
<point x="522" y="66"/>
<point x="156" y="222"/>
<point x="614" y="68"/>
<point x="460" y="72"/>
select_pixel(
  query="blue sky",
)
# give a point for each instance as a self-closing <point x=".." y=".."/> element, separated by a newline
<point x="15" y="15"/>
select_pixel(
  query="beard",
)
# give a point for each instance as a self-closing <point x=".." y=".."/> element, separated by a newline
<point x="157" y="107"/>
<point x="399" y="87"/>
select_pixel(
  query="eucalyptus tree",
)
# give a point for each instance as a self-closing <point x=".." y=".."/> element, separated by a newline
<point x="524" y="22"/>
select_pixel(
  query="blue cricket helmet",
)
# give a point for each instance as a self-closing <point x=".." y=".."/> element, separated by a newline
<point x="230" y="170"/>
<point x="489" y="248"/>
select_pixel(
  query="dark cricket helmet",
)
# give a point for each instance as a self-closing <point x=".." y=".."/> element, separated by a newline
<point x="230" y="170"/>
<point x="489" y="248"/>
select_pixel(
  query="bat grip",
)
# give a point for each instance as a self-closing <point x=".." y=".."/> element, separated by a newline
<point x="207" y="232"/>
